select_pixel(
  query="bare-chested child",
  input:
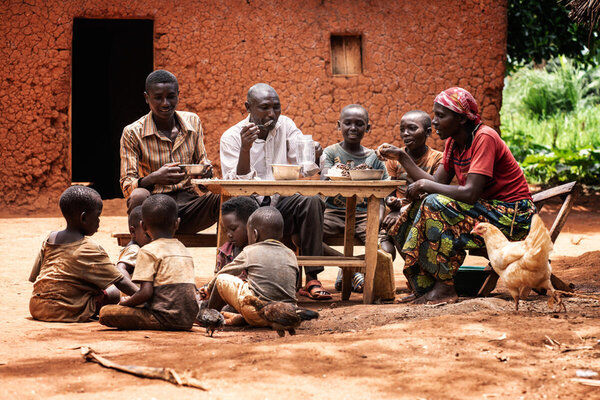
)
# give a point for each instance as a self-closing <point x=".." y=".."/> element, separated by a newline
<point x="73" y="276"/>
<point x="415" y="128"/>
<point x="139" y="238"/>
<point x="271" y="267"/>
<point x="165" y="272"/>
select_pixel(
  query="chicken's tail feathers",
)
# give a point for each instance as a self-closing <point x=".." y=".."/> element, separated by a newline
<point x="538" y="237"/>
<point x="254" y="302"/>
<point x="306" y="314"/>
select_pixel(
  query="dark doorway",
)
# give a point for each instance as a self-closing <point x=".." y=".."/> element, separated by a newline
<point x="111" y="59"/>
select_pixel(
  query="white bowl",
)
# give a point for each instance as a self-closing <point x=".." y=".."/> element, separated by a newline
<point x="194" y="169"/>
<point x="366" y="174"/>
<point x="285" y="172"/>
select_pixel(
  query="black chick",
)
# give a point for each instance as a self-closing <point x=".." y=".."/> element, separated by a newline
<point x="281" y="316"/>
<point x="209" y="318"/>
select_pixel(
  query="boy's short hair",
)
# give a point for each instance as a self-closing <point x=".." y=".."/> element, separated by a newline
<point x="349" y="106"/>
<point x="268" y="221"/>
<point x="159" y="211"/>
<point x="135" y="216"/>
<point x="423" y="116"/>
<point x="242" y="207"/>
<point x="77" y="199"/>
<point x="161" y="76"/>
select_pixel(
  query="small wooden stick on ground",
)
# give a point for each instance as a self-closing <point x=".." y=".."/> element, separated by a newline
<point x="166" y="374"/>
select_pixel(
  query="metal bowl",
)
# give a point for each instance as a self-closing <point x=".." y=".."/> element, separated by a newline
<point x="366" y="174"/>
<point x="194" y="169"/>
<point x="284" y="172"/>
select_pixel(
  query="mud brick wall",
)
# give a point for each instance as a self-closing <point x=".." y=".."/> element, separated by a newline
<point x="412" y="49"/>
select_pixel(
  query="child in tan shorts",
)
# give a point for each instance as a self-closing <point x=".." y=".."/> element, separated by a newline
<point x="165" y="271"/>
<point x="271" y="267"/>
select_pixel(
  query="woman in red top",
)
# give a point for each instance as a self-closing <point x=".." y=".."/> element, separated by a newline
<point x="435" y="233"/>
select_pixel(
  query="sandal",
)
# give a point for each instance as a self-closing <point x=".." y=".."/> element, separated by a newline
<point x="314" y="290"/>
<point x="358" y="282"/>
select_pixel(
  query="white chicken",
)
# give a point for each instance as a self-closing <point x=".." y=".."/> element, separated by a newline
<point x="522" y="265"/>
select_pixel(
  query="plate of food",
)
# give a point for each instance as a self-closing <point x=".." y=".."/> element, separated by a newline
<point x="365" y="173"/>
<point x="339" y="172"/>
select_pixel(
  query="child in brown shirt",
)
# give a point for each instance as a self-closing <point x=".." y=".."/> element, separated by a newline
<point x="165" y="271"/>
<point x="73" y="276"/>
<point x="272" y="270"/>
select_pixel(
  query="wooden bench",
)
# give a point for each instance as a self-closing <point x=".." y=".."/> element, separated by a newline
<point x="569" y="192"/>
<point x="210" y="240"/>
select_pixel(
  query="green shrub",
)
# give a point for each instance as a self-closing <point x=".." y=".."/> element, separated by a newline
<point x="551" y="122"/>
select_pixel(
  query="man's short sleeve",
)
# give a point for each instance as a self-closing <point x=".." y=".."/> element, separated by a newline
<point x="146" y="266"/>
<point x="482" y="155"/>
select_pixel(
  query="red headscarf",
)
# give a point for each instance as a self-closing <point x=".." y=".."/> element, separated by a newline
<point x="460" y="101"/>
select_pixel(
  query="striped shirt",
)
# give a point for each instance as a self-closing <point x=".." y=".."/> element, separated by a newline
<point x="144" y="150"/>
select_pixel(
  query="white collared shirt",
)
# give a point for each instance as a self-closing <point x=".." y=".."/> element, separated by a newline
<point x="278" y="148"/>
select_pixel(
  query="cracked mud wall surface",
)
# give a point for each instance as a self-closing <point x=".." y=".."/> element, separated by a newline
<point x="411" y="50"/>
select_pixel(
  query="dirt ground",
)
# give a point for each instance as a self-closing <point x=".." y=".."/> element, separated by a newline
<point x="477" y="348"/>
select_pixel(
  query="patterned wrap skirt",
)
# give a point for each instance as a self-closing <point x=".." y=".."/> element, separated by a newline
<point x="433" y="234"/>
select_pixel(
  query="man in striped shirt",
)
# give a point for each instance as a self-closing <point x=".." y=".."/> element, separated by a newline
<point x="152" y="149"/>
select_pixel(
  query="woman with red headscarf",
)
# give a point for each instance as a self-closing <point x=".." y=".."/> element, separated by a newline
<point x="434" y="233"/>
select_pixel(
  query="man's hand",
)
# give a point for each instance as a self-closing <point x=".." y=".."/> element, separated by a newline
<point x="168" y="174"/>
<point x="249" y="134"/>
<point x="318" y="152"/>
<point x="390" y="220"/>
<point x="388" y="151"/>
<point x="208" y="172"/>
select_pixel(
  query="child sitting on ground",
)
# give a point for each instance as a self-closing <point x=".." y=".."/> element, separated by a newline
<point x="234" y="215"/>
<point x="354" y="124"/>
<point x="73" y="276"/>
<point x="415" y="128"/>
<point x="271" y="267"/>
<point x="139" y="238"/>
<point x="165" y="271"/>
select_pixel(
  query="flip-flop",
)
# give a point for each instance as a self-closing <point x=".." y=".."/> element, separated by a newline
<point x="358" y="282"/>
<point x="407" y="299"/>
<point x="311" y="290"/>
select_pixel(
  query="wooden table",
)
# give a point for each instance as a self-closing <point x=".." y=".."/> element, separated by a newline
<point x="374" y="191"/>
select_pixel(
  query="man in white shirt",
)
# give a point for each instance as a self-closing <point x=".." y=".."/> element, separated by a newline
<point x="247" y="151"/>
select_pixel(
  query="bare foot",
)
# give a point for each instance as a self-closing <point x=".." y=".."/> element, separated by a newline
<point x="441" y="293"/>
<point x="233" y="319"/>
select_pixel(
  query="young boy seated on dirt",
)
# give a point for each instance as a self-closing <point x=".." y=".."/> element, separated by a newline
<point x="165" y="271"/>
<point x="271" y="267"/>
<point x="234" y="215"/>
<point x="73" y="276"/>
<point x="139" y="238"/>
<point x="353" y="124"/>
<point x="415" y="128"/>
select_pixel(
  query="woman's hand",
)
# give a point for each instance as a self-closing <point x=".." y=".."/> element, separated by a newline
<point x="417" y="190"/>
<point x="388" y="151"/>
